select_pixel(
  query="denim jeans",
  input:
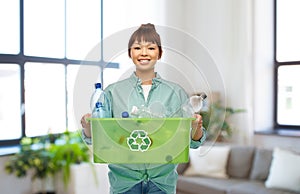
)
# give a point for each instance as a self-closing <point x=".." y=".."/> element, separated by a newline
<point x="145" y="187"/>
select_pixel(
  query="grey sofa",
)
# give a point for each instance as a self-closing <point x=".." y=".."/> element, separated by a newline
<point x="247" y="169"/>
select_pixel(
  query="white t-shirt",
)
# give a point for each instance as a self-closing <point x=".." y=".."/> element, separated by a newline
<point x="146" y="90"/>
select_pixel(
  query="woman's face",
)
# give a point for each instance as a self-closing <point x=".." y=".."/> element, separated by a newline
<point x="144" y="55"/>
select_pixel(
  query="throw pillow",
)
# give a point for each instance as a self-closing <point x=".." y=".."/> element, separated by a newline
<point x="240" y="161"/>
<point x="208" y="161"/>
<point x="261" y="164"/>
<point x="284" y="171"/>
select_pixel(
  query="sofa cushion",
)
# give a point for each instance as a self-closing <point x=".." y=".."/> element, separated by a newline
<point x="261" y="164"/>
<point x="240" y="161"/>
<point x="284" y="171"/>
<point x="205" y="185"/>
<point x="182" y="167"/>
<point x="208" y="161"/>
<point x="257" y="187"/>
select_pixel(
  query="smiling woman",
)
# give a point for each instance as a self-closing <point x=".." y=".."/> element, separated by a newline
<point x="144" y="50"/>
<point x="144" y="55"/>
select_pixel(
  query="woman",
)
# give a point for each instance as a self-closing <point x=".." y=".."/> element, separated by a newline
<point x="145" y="88"/>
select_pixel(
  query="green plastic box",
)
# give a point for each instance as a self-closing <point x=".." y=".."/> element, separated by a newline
<point x="140" y="140"/>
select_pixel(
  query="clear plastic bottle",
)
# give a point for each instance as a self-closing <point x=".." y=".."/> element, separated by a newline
<point x="197" y="101"/>
<point x="100" y="103"/>
<point x="193" y="105"/>
<point x="141" y="112"/>
<point x="95" y="96"/>
<point x="99" y="112"/>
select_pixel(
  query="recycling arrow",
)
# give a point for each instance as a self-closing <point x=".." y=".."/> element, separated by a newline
<point x="138" y="141"/>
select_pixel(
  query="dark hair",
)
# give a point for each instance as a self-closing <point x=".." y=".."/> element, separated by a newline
<point x="147" y="33"/>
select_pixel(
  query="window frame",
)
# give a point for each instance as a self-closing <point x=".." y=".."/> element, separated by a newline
<point x="20" y="59"/>
<point x="277" y="65"/>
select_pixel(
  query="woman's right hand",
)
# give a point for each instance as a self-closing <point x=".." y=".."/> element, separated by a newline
<point x="86" y="124"/>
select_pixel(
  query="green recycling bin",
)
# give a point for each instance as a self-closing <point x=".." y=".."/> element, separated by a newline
<point x="140" y="140"/>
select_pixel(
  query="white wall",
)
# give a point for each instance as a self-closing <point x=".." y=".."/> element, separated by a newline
<point x="226" y="29"/>
<point x="263" y="62"/>
<point x="239" y="34"/>
<point x="239" y="37"/>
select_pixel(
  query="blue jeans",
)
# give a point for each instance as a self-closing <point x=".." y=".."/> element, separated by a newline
<point x="145" y="187"/>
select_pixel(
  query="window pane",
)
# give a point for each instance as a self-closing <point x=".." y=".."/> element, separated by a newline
<point x="45" y="98"/>
<point x="83" y="28"/>
<point x="288" y="30"/>
<point x="44" y="28"/>
<point x="10" y="31"/>
<point x="71" y="76"/>
<point x="288" y="95"/>
<point x="10" y="101"/>
<point x="82" y="75"/>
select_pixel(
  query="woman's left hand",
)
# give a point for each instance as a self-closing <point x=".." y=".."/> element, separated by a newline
<point x="197" y="127"/>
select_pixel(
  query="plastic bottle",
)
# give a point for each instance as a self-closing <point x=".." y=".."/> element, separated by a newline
<point x="99" y="112"/>
<point x="193" y="105"/>
<point x="141" y="112"/>
<point x="100" y="104"/>
<point x="197" y="101"/>
<point x="155" y="110"/>
<point x="95" y="96"/>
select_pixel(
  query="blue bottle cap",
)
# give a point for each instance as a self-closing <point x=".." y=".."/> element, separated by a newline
<point x="97" y="85"/>
<point x="125" y="114"/>
<point x="98" y="104"/>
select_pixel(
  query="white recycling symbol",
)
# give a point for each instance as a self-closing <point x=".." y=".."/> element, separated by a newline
<point x="138" y="141"/>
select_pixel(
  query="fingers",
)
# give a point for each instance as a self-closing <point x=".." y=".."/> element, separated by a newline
<point x="197" y="127"/>
<point x="83" y="121"/>
<point x="197" y="124"/>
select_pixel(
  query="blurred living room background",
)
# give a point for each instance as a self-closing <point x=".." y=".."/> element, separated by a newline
<point x="253" y="64"/>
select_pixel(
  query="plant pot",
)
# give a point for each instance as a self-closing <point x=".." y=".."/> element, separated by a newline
<point x="85" y="178"/>
<point x="43" y="186"/>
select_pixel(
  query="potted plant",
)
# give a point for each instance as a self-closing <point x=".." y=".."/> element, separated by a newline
<point x="215" y="120"/>
<point x="33" y="159"/>
<point x="70" y="149"/>
<point x="43" y="157"/>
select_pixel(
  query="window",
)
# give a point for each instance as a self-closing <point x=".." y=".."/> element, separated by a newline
<point x="43" y="44"/>
<point x="287" y="60"/>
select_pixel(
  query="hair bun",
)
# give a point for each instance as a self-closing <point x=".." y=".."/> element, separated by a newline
<point x="148" y="26"/>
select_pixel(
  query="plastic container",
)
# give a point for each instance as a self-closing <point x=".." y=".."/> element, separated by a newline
<point x="141" y="140"/>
